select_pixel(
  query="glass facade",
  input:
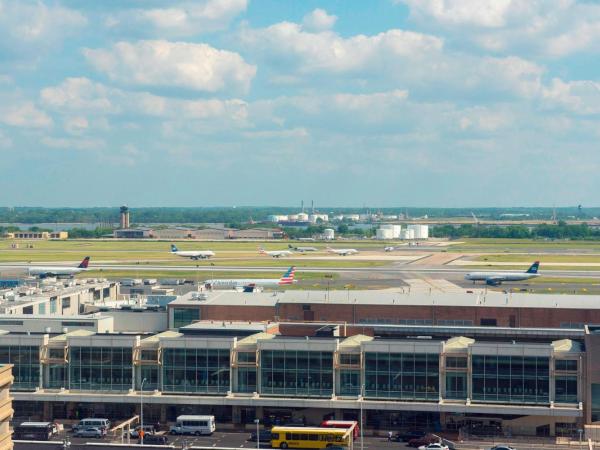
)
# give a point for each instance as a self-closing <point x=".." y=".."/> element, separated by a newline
<point x="297" y="373"/>
<point x="246" y="379"/>
<point x="151" y="374"/>
<point x="512" y="379"/>
<point x="26" y="370"/>
<point x="456" y="385"/>
<point x="349" y="382"/>
<point x="565" y="389"/>
<point x="100" y="368"/>
<point x="196" y="370"/>
<point x="185" y="316"/>
<point x="57" y="376"/>
<point x="409" y="376"/>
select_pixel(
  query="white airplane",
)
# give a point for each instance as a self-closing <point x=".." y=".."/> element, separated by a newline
<point x="59" y="271"/>
<point x="342" y="251"/>
<point x="194" y="254"/>
<point x="250" y="283"/>
<point x="303" y="249"/>
<point x="275" y="253"/>
<point x="496" y="278"/>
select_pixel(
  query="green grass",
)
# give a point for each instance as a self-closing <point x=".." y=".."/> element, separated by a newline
<point x="507" y="257"/>
<point x="524" y="267"/>
<point x="517" y="245"/>
<point x="564" y="280"/>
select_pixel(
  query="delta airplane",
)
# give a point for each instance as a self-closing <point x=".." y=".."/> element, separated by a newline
<point x="194" y="254"/>
<point x="249" y="283"/>
<point x="496" y="278"/>
<point x="59" y="271"/>
<point x="342" y="251"/>
<point x="302" y="249"/>
<point x="275" y="253"/>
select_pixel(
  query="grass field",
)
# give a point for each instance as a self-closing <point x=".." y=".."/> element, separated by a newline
<point x="507" y="257"/>
<point x="521" y="245"/>
<point x="525" y="266"/>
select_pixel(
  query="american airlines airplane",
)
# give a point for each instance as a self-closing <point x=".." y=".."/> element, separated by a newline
<point x="274" y="253"/>
<point x="496" y="278"/>
<point x="342" y="251"/>
<point x="302" y="249"/>
<point x="59" y="271"/>
<point x="249" y="283"/>
<point x="194" y="254"/>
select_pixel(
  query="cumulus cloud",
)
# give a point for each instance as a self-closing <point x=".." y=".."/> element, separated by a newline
<point x="579" y="97"/>
<point x="318" y="20"/>
<point x="173" y="64"/>
<point x="24" y="114"/>
<point x="84" y="96"/>
<point x="181" y="18"/>
<point x="330" y="52"/>
<point x="72" y="143"/>
<point x="553" y="28"/>
<point x="27" y="26"/>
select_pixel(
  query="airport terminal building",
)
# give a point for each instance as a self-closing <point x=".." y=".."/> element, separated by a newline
<point x="518" y="381"/>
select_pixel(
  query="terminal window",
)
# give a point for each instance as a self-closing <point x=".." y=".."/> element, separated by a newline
<point x="185" y="316"/>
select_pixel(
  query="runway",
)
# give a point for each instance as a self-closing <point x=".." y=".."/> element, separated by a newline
<point x="390" y="270"/>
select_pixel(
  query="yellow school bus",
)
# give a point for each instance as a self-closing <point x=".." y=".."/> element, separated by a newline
<point x="306" y="437"/>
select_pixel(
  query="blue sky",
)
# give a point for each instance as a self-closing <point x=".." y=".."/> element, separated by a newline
<point x="267" y="102"/>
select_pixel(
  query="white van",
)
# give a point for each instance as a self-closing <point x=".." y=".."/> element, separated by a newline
<point x="196" y="425"/>
<point x="103" y="424"/>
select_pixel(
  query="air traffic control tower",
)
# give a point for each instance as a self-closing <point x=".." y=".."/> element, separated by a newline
<point x="124" y="217"/>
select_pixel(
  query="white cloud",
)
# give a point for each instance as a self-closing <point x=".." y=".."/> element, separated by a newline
<point x="294" y="133"/>
<point x="31" y="26"/>
<point x="83" y="96"/>
<point x="24" y="114"/>
<point x="579" y="97"/>
<point x="72" y="143"/>
<point x="76" y="124"/>
<point x="5" y="141"/>
<point x="181" y="18"/>
<point x="318" y="20"/>
<point x="327" y="51"/>
<point x="173" y="64"/>
<point x="553" y="28"/>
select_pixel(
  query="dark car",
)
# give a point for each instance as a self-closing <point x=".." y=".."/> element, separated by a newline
<point x="408" y="435"/>
<point x="263" y="436"/>
<point x="503" y="447"/>
<point x="425" y="440"/>
<point x="154" y="439"/>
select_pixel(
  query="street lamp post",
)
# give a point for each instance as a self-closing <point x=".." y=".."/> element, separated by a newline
<point x="257" y="422"/>
<point x="362" y="398"/>
<point x="141" y="432"/>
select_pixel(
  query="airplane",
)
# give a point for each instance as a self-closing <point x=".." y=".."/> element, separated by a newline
<point x="342" y="251"/>
<point x="194" y="254"/>
<point x="389" y="249"/>
<point x="496" y="278"/>
<point x="303" y="249"/>
<point x="250" y="283"/>
<point x="275" y="253"/>
<point x="59" y="271"/>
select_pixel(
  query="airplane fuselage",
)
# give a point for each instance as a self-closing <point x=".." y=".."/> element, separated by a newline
<point x="500" y="276"/>
<point x="195" y="254"/>
<point x="54" y="271"/>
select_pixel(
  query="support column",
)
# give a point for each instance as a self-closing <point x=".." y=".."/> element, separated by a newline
<point x="236" y="415"/>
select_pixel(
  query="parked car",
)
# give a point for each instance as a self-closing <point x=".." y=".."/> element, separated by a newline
<point x="408" y="435"/>
<point x="89" y="432"/>
<point x="435" y="446"/>
<point x="425" y="440"/>
<point x="155" y="439"/>
<point x="503" y="447"/>
<point x="263" y="436"/>
<point x="148" y="429"/>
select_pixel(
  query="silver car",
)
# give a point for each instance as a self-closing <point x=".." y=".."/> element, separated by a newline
<point x="89" y="432"/>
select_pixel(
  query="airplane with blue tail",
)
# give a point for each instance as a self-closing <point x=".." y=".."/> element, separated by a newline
<point x="496" y="278"/>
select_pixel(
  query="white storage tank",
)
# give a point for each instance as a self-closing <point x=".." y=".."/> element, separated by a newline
<point x="384" y="233"/>
<point x="397" y="231"/>
<point x="293" y="217"/>
<point x="302" y="217"/>
<point x="329" y="234"/>
<point x="421" y="231"/>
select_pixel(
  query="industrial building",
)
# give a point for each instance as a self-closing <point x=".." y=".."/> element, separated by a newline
<point x="37" y="235"/>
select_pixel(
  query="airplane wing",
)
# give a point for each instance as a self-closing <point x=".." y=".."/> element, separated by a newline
<point x="494" y="281"/>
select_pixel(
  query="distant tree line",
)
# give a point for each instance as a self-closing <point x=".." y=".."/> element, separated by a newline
<point x="544" y="231"/>
<point x="242" y="215"/>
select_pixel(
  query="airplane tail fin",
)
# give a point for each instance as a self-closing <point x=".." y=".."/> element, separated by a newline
<point x="288" y="276"/>
<point x="534" y="267"/>
<point x="173" y="248"/>
<point x="84" y="264"/>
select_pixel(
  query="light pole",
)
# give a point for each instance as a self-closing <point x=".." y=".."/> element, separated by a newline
<point x="257" y="422"/>
<point x="362" y="398"/>
<point x="141" y="432"/>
